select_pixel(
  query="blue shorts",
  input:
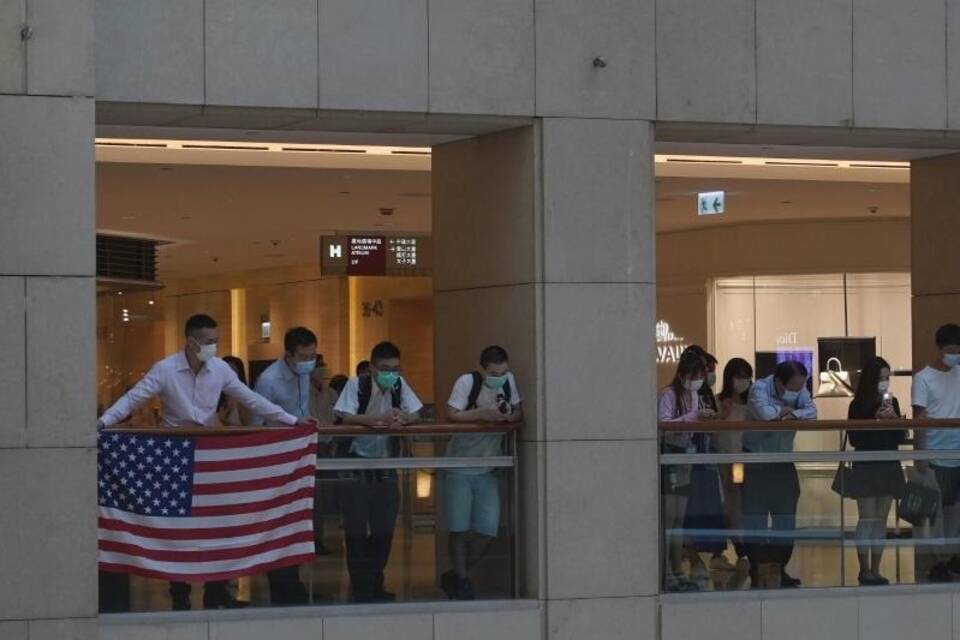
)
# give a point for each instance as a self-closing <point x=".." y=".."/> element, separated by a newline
<point x="472" y="503"/>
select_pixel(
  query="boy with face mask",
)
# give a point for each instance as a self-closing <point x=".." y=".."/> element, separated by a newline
<point x="370" y="499"/>
<point x="936" y="394"/>
<point x="472" y="496"/>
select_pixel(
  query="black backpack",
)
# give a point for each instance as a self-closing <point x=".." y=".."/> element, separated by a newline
<point x="364" y="392"/>
<point x="478" y="386"/>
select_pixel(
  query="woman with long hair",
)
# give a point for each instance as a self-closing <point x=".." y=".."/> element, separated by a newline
<point x="679" y="402"/>
<point x="737" y="380"/>
<point x="874" y="484"/>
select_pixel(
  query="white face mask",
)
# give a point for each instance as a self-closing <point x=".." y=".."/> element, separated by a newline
<point x="951" y="359"/>
<point x="206" y="352"/>
<point x="740" y="385"/>
<point x="789" y="397"/>
<point x="693" y="385"/>
<point x="883" y="386"/>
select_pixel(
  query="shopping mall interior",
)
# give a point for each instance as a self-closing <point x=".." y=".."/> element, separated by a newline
<point x="802" y="248"/>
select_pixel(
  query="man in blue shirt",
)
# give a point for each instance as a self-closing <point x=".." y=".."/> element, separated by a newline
<point x="286" y="382"/>
<point x="771" y="490"/>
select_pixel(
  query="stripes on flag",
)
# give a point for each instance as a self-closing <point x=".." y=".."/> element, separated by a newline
<point x="208" y="507"/>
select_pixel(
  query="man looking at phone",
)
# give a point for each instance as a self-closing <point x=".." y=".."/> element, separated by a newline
<point x="472" y="495"/>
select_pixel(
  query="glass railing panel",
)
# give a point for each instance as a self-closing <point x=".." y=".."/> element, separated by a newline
<point x="781" y="518"/>
<point x="438" y="517"/>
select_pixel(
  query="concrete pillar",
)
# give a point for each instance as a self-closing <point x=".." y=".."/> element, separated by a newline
<point x="544" y="242"/>
<point x="934" y="260"/>
<point x="47" y="385"/>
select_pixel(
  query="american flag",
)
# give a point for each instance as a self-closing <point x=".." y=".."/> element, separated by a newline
<point x="208" y="507"/>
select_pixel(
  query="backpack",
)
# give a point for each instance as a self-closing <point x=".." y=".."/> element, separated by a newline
<point x="478" y="386"/>
<point x="364" y="392"/>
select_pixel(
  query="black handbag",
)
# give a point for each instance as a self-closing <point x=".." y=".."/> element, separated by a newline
<point x="919" y="502"/>
<point x="846" y="483"/>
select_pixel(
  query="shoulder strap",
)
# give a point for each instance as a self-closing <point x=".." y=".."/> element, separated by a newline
<point x="507" y="392"/>
<point x="364" y="389"/>
<point x="396" y="395"/>
<point x="474" y="391"/>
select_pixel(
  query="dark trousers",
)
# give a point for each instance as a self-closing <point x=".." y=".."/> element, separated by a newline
<point x="213" y="590"/>
<point x="370" y="502"/>
<point x="285" y="586"/>
<point x="114" y="591"/>
<point x="770" y="495"/>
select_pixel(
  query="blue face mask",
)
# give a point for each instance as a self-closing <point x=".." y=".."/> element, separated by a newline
<point x="951" y="359"/>
<point x="789" y="397"/>
<point x="387" y="379"/>
<point x="304" y="368"/>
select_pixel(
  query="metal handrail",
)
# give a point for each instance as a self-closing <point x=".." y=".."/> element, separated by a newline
<point x="715" y="426"/>
<point x="426" y="429"/>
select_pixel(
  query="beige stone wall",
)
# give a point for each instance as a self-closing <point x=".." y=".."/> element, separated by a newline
<point x="47" y="391"/>
<point x="823" y="63"/>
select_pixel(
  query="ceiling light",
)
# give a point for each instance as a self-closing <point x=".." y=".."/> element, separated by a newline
<point x="149" y="301"/>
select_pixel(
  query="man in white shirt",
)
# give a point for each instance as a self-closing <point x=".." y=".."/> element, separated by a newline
<point x="370" y="499"/>
<point x="936" y="394"/>
<point x="472" y="495"/>
<point x="189" y="384"/>
<point x="287" y="383"/>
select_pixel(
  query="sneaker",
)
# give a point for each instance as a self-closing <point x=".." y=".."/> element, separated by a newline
<point x="939" y="573"/>
<point x="701" y="577"/>
<point x="788" y="581"/>
<point x="743" y="573"/>
<point x="954" y="565"/>
<point x="465" y="592"/>
<point x="450" y="584"/>
<point x="674" y="584"/>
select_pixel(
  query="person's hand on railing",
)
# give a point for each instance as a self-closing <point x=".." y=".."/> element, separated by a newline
<point x="707" y="414"/>
<point x="311" y="422"/>
<point x="787" y="414"/>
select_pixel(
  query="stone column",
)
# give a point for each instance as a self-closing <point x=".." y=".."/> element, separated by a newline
<point x="934" y="259"/>
<point x="47" y="381"/>
<point x="544" y="242"/>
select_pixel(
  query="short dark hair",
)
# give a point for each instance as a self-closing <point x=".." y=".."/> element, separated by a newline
<point x="197" y="322"/>
<point x="787" y="371"/>
<point x="948" y="334"/>
<point x="362" y="367"/>
<point x="384" y="351"/>
<point x="298" y="337"/>
<point x="493" y="355"/>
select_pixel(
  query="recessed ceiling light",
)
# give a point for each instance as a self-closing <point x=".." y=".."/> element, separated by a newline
<point x="128" y="217"/>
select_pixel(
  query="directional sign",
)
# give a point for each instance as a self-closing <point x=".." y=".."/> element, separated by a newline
<point x="710" y="203"/>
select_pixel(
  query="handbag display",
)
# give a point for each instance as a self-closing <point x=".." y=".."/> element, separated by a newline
<point x="835" y="383"/>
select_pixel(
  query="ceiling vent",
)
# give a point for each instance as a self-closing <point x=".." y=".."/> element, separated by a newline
<point x="126" y="263"/>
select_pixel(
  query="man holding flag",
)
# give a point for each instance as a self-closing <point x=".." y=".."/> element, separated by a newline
<point x="189" y="384"/>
